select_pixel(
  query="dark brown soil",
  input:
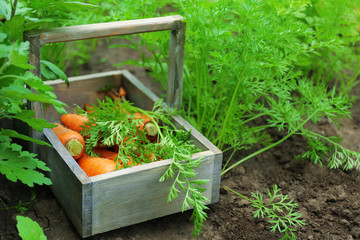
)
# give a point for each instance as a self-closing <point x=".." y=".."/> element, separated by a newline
<point x="329" y="200"/>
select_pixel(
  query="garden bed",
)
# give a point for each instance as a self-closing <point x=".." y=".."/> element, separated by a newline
<point x="328" y="199"/>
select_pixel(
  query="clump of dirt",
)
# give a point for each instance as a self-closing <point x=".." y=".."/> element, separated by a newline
<point x="329" y="200"/>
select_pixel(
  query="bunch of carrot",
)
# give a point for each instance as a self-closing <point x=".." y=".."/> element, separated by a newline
<point x="74" y="133"/>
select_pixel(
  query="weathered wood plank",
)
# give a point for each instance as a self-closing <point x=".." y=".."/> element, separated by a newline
<point x="175" y="70"/>
<point x="138" y="196"/>
<point x="34" y="60"/>
<point x="137" y="92"/>
<point x="80" y="92"/>
<point x="69" y="183"/>
<point x="99" y="30"/>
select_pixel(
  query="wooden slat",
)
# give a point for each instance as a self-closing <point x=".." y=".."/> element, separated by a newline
<point x="137" y="92"/>
<point x="137" y="195"/>
<point x="70" y="183"/>
<point x="174" y="23"/>
<point x="99" y="30"/>
<point x="37" y="107"/>
<point x="175" y="70"/>
<point x="81" y="91"/>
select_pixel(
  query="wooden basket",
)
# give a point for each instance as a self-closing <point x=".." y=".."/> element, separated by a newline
<point x="128" y="196"/>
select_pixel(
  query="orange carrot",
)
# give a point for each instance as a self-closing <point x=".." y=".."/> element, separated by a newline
<point x="74" y="121"/>
<point x="88" y="108"/>
<point x="122" y="92"/>
<point x="113" y="96"/>
<point x="146" y="124"/>
<point x="143" y="119"/>
<point x="104" y="153"/>
<point x="93" y="166"/>
<point x="73" y="141"/>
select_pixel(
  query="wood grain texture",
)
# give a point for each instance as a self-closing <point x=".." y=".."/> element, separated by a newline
<point x="34" y="60"/>
<point x="175" y="70"/>
<point x="137" y="195"/>
<point x="175" y="24"/>
<point x="80" y="92"/>
<point x="69" y="183"/>
<point x="99" y="30"/>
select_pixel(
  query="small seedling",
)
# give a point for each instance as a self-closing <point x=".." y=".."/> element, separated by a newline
<point x="279" y="209"/>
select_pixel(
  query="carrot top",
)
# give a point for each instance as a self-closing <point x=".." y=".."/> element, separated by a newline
<point x="119" y="124"/>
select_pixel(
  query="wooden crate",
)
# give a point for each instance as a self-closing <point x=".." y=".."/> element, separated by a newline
<point x="128" y="196"/>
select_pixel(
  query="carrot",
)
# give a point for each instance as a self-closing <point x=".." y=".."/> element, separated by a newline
<point x="103" y="153"/>
<point x="146" y="124"/>
<point x="74" y="121"/>
<point x="73" y="141"/>
<point x="88" y="108"/>
<point x="144" y="119"/>
<point x="112" y="95"/>
<point x="93" y="166"/>
<point x="122" y="94"/>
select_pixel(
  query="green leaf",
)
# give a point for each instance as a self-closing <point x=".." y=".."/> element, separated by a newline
<point x="36" y="123"/>
<point x="4" y="49"/>
<point x="2" y="36"/>
<point x="47" y="73"/>
<point x="15" y="28"/>
<point x="17" y="164"/>
<point x="14" y="134"/>
<point x="78" y="5"/>
<point x="55" y="70"/>
<point x="36" y="83"/>
<point x="19" y="55"/>
<point x="5" y="9"/>
<point x="24" y="93"/>
<point x="29" y="229"/>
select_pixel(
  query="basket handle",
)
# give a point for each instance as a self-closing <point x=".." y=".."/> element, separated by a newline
<point x="175" y="24"/>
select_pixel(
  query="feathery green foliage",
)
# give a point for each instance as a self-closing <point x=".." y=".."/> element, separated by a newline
<point x="274" y="62"/>
<point x="279" y="209"/>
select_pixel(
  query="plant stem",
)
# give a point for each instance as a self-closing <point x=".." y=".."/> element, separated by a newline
<point x="254" y="117"/>
<point x="13" y="8"/>
<point x="229" y="111"/>
<point x="16" y="206"/>
<point x="269" y="146"/>
<point x="246" y="198"/>
<point x="213" y="118"/>
<point x="258" y="152"/>
<point x="227" y="162"/>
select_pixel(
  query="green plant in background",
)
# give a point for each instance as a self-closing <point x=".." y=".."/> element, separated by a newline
<point x="19" y="86"/>
<point x="268" y="61"/>
<point x="256" y="65"/>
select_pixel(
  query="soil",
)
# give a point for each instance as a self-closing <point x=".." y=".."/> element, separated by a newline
<point x="329" y="200"/>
